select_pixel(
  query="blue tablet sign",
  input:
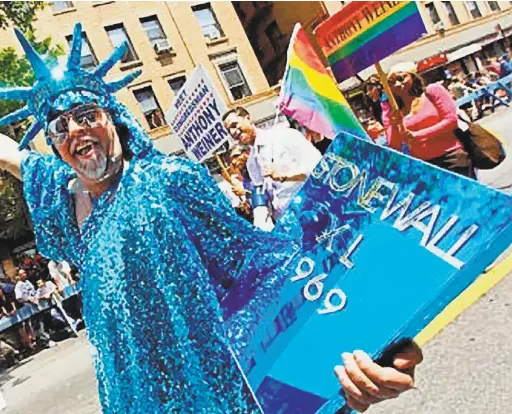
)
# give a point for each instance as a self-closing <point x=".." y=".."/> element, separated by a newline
<point x="387" y="242"/>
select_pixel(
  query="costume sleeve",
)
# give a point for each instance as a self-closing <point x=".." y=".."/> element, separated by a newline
<point x="41" y="191"/>
<point x="446" y="109"/>
<point x="243" y="261"/>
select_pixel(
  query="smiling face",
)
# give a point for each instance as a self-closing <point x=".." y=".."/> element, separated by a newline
<point x="241" y="128"/>
<point x="22" y="275"/>
<point x="89" y="144"/>
<point x="400" y="83"/>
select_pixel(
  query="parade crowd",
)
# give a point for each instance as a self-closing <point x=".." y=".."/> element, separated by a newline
<point x="38" y="281"/>
<point x="266" y="168"/>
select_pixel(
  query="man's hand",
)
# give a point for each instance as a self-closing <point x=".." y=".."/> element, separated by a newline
<point x="238" y="189"/>
<point x="364" y="382"/>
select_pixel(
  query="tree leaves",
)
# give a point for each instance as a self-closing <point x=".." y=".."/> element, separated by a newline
<point x="19" y="13"/>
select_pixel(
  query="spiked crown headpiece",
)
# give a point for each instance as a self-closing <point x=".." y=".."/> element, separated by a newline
<point x="74" y="85"/>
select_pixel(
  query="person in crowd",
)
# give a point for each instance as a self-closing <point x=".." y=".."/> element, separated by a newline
<point x="7" y="306"/>
<point x="47" y="291"/>
<point x="60" y="274"/>
<point x="493" y="66"/>
<point x="505" y="66"/>
<point x="154" y="238"/>
<point x="24" y="289"/>
<point x="7" y="309"/>
<point x="375" y="97"/>
<point x="427" y="121"/>
<point x="7" y="287"/>
<point x="379" y="128"/>
<point x="26" y="296"/>
<point x="240" y="182"/>
<point x="233" y="184"/>
<point x="282" y="154"/>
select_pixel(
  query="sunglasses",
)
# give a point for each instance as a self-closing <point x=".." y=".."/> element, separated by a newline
<point x="86" y="116"/>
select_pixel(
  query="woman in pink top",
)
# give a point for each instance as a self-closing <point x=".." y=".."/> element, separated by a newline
<point x="428" y="121"/>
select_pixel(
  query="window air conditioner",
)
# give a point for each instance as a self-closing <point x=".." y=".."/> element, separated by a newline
<point x="212" y="34"/>
<point x="162" y="46"/>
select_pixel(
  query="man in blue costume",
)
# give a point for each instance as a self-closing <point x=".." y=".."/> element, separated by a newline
<point x="173" y="280"/>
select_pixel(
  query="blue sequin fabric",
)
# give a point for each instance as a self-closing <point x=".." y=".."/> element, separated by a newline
<point x="173" y="282"/>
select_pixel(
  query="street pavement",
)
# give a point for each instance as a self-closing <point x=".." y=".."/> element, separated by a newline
<point x="467" y="367"/>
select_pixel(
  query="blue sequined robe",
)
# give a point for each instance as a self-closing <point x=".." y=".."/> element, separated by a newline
<point x="173" y="282"/>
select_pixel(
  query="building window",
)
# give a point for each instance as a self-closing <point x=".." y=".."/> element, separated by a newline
<point x="176" y="83"/>
<point x="207" y="20"/>
<point x="58" y="6"/>
<point x="450" y="11"/>
<point x="117" y="34"/>
<point x="235" y="80"/>
<point x="473" y="9"/>
<point x="155" y="33"/>
<point x="150" y="107"/>
<point x="274" y="36"/>
<point x="88" y="59"/>
<point x="434" y="15"/>
<point x="494" y="6"/>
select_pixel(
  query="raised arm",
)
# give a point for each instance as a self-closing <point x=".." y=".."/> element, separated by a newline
<point x="10" y="156"/>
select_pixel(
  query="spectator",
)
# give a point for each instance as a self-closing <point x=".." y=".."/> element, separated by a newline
<point x="60" y="274"/>
<point x="24" y="289"/>
<point x="378" y="101"/>
<point x="60" y="319"/>
<point x="281" y="154"/>
<point x="239" y="180"/>
<point x="493" y="66"/>
<point x="26" y="295"/>
<point x="375" y="97"/>
<point x="505" y="66"/>
<point x="7" y="309"/>
<point x="427" y="121"/>
<point x="7" y="287"/>
<point x="7" y="306"/>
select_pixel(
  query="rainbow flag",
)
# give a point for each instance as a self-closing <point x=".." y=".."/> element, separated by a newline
<point x="309" y="94"/>
<point x="365" y="32"/>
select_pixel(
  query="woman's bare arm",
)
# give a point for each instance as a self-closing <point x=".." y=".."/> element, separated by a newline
<point x="10" y="156"/>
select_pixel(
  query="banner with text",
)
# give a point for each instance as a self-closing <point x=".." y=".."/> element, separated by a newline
<point x="388" y="241"/>
<point x="364" y="32"/>
<point x="196" y="116"/>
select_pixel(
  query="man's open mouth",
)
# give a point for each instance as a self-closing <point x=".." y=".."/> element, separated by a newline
<point x="84" y="148"/>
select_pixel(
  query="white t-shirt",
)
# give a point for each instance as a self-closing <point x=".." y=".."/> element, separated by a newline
<point x="288" y="153"/>
<point x="24" y="291"/>
<point x="59" y="272"/>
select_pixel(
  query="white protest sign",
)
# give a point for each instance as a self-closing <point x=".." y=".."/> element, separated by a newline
<point x="196" y="116"/>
